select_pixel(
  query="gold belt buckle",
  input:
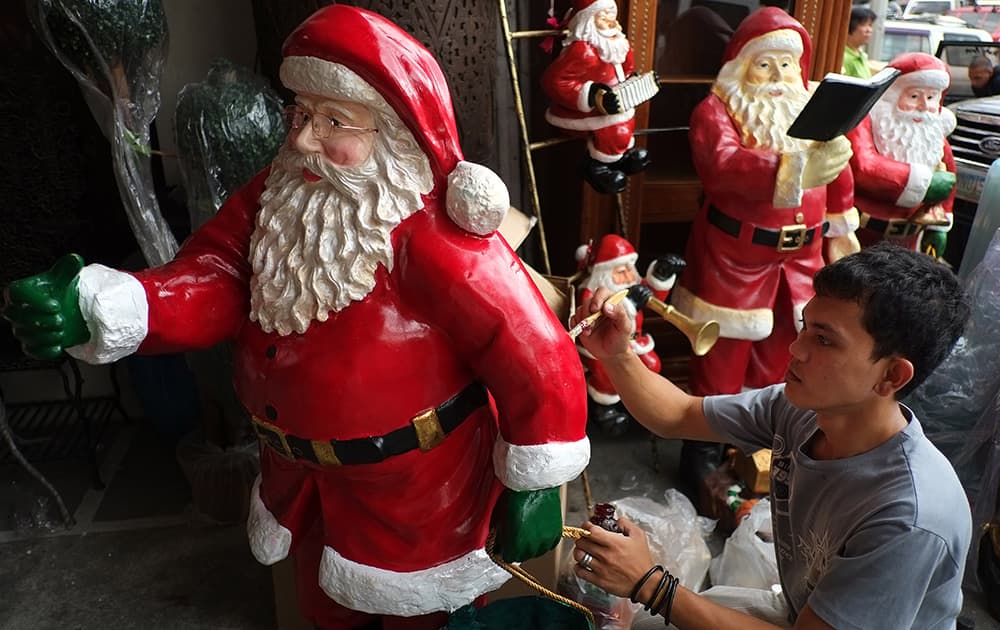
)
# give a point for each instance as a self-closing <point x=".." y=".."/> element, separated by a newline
<point x="428" y="427"/>
<point x="273" y="437"/>
<point x="897" y="228"/>
<point x="792" y="238"/>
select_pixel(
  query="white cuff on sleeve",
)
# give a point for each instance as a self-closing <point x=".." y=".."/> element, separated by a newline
<point x="114" y="306"/>
<point x="538" y="466"/>
<point x="916" y="186"/>
<point x="583" y="98"/>
<point x="842" y="223"/>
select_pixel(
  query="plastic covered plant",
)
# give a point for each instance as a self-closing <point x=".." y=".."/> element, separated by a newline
<point x="228" y="127"/>
<point x="115" y="49"/>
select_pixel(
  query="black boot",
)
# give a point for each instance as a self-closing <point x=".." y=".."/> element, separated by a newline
<point x="602" y="177"/>
<point x="698" y="459"/>
<point x="611" y="420"/>
<point x="634" y="160"/>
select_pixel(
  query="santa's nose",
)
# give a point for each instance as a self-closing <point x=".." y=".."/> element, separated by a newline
<point x="305" y="140"/>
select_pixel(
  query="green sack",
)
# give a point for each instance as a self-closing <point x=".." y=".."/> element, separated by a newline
<point x="530" y="612"/>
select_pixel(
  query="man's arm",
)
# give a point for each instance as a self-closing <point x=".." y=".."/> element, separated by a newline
<point x="653" y="401"/>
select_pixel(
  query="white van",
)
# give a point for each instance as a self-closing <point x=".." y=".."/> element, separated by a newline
<point x="929" y="7"/>
<point x="922" y="36"/>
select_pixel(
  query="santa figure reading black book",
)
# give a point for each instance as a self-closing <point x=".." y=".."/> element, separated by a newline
<point x="401" y="368"/>
<point x="596" y="57"/>
<point x="770" y="201"/>
<point x="904" y="170"/>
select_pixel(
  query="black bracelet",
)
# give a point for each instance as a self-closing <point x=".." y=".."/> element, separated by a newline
<point x="671" y="591"/>
<point x="657" y="597"/>
<point x="638" y="585"/>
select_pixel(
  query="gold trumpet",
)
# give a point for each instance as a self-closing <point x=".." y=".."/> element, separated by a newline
<point x="701" y="335"/>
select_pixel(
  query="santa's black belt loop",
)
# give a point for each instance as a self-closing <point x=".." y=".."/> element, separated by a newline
<point x="789" y="238"/>
<point x="424" y="431"/>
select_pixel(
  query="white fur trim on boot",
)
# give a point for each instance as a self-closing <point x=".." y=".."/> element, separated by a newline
<point x="477" y="198"/>
<point x="750" y="324"/>
<point x="538" y="466"/>
<point x="446" y="587"/>
<point x="269" y="539"/>
<point x="113" y="304"/>
<point x="655" y="283"/>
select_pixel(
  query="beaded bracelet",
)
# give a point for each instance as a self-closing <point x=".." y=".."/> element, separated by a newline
<point x="669" y="600"/>
<point x="659" y="593"/>
<point x="638" y="585"/>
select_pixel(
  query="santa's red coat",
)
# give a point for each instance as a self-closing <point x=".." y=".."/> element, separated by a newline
<point x="567" y="83"/>
<point x="455" y="309"/>
<point x="880" y="180"/>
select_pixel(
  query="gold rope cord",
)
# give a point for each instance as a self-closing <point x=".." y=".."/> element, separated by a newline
<point x="568" y="532"/>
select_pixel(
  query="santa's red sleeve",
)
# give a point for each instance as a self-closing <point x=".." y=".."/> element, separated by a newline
<point x="477" y="290"/>
<point x="196" y="300"/>
<point x="568" y="79"/>
<point x="882" y="178"/>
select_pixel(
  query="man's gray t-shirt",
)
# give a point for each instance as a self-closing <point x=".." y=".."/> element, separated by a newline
<point x="877" y="540"/>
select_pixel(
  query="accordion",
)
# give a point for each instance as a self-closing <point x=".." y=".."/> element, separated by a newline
<point x="636" y="90"/>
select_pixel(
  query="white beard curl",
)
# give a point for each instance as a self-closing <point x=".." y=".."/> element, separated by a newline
<point x="316" y="246"/>
<point x="612" y="46"/>
<point x="896" y="135"/>
<point x="601" y="275"/>
<point x="762" y="119"/>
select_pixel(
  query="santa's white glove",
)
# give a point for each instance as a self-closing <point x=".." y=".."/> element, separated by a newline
<point x="825" y="161"/>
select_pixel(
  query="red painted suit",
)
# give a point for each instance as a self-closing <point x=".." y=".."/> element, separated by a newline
<point x="567" y="83"/>
<point x="455" y="309"/>
<point x="880" y="181"/>
<point x="755" y="292"/>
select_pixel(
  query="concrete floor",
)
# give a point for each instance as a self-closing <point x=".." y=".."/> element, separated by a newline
<point x="140" y="557"/>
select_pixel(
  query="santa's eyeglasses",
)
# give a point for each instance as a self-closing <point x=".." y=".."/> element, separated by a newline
<point x="322" y="126"/>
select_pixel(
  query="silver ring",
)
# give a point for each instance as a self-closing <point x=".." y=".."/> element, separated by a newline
<point x="585" y="561"/>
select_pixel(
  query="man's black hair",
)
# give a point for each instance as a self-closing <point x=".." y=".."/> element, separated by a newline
<point x="860" y="15"/>
<point x="911" y="304"/>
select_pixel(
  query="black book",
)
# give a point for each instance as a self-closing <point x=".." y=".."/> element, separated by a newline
<point x="839" y="104"/>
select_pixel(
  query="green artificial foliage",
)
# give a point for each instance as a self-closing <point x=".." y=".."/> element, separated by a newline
<point x="228" y="127"/>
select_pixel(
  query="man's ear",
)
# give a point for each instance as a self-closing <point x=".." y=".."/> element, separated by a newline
<point x="898" y="372"/>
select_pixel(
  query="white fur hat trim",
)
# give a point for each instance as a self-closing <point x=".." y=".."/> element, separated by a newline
<point x="477" y="199"/>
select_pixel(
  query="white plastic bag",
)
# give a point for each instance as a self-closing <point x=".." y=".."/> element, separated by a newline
<point x="747" y="559"/>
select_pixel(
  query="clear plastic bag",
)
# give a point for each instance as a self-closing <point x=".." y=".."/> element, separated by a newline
<point x="116" y="49"/>
<point x="748" y="560"/>
<point x="228" y="127"/>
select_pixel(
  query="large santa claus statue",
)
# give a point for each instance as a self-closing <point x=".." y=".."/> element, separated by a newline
<point x="904" y="170"/>
<point x="770" y="201"/>
<point x="596" y="57"/>
<point x="401" y="368"/>
<point x="611" y="264"/>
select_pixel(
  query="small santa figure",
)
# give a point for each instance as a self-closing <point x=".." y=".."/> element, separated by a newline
<point x="904" y="170"/>
<point x="596" y="57"/>
<point x="612" y="265"/>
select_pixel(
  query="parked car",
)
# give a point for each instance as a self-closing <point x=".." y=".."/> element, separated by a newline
<point x="982" y="15"/>
<point x="929" y="7"/>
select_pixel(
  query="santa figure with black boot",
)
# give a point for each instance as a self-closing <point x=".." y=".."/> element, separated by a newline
<point x="904" y="170"/>
<point x="771" y="200"/>
<point x="596" y="58"/>
<point x="612" y="265"/>
<point x="404" y="375"/>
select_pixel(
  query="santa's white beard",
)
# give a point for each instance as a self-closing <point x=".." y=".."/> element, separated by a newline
<point x="602" y="276"/>
<point x="612" y="45"/>
<point x="762" y="119"/>
<point x="317" y="245"/>
<point x="896" y="135"/>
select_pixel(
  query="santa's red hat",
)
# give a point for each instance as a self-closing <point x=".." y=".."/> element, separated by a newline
<point x="770" y="28"/>
<point x="339" y="44"/>
<point x="921" y="69"/>
<point x="611" y="251"/>
<point x="587" y="9"/>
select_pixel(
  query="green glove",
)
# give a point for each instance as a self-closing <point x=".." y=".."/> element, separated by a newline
<point x="942" y="183"/>
<point x="528" y="522"/>
<point x="933" y="242"/>
<point x="45" y="312"/>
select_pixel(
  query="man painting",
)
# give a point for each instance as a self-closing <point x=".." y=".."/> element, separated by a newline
<point x="400" y="366"/>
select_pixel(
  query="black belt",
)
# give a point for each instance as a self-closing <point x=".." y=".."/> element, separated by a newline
<point x="789" y="238"/>
<point x="893" y="228"/>
<point x="424" y="431"/>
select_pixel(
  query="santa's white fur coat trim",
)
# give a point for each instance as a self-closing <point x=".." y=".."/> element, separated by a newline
<point x="917" y="184"/>
<point x="269" y="539"/>
<point x="750" y="324"/>
<point x="538" y="466"/>
<point x="113" y="304"/>
<point x="447" y="586"/>
<point x="842" y="223"/>
<point x="590" y="123"/>
<point x="788" y="183"/>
